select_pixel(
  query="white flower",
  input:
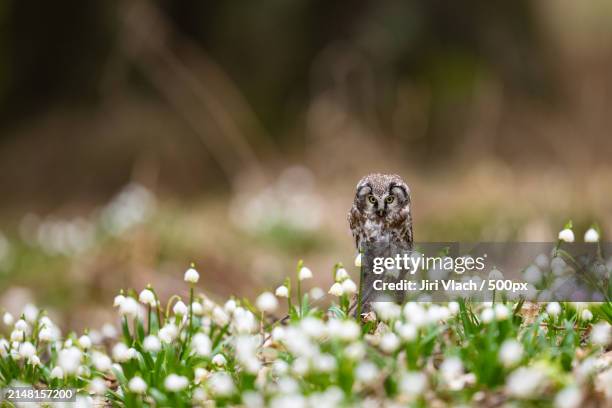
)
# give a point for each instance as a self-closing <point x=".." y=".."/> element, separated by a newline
<point x="282" y="291"/>
<point x="600" y="334"/>
<point x="487" y="315"/>
<point x="510" y="353"/>
<point x="532" y="274"/>
<point x="324" y="363"/>
<point x="129" y="307"/>
<point x="197" y="308"/>
<point x="168" y="333"/>
<point x="137" y="385"/>
<point x="34" y="360"/>
<point x="27" y="350"/>
<point x="389" y="343"/>
<point x="101" y="361"/>
<point x="407" y="331"/>
<point x="97" y="386"/>
<point x="230" y="306"/>
<point x="147" y="297"/>
<point x="266" y="302"/>
<point x="219" y="360"/>
<point x="4" y="346"/>
<point x="414" y="313"/>
<point x="192" y="276"/>
<point x="304" y="273"/>
<point x="586" y="315"/>
<point x="57" y="372"/>
<point x="220" y="317"/>
<point x="175" y="383"/>
<point x="30" y="312"/>
<point x="313" y="327"/>
<point x="349" y="287"/>
<point x="366" y="372"/>
<point x="69" y="359"/>
<point x="453" y="307"/>
<point x="109" y="331"/>
<point x="46" y="334"/>
<point x="501" y="312"/>
<point x="355" y="351"/>
<point x="221" y="384"/>
<point x="180" y="309"/>
<point x="336" y="290"/>
<point x="199" y="375"/>
<point x="358" y="260"/>
<point x="524" y="382"/>
<point x="341" y="274"/>
<point x="121" y="353"/>
<point x="451" y="368"/>
<point x="118" y="300"/>
<point x="316" y="293"/>
<point x="553" y="309"/>
<point x="8" y="319"/>
<point x="244" y="321"/>
<point x="413" y="383"/>
<point x="569" y="397"/>
<point x="17" y="335"/>
<point x="202" y="344"/>
<point x="591" y="235"/>
<point x="151" y="343"/>
<point x="566" y="235"/>
<point x="85" y="342"/>
<point x="21" y="325"/>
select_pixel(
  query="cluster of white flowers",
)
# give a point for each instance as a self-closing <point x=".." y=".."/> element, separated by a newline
<point x="203" y="353"/>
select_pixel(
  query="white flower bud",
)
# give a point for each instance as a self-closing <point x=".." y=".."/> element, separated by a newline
<point x="266" y="302"/>
<point x="8" y="319"/>
<point x="97" y="386"/>
<point x="553" y="309"/>
<point x="147" y="297"/>
<point x="591" y="235"/>
<point x="341" y="274"/>
<point x="201" y="344"/>
<point x="129" y="307"/>
<point x="21" y="325"/>
<point x="349" y="287"/>
<point x="137" y="385"/>
<point x="304" y="273"/>
<point x="487" y="315"/>
<point x="57" y="372"/>
<point x="586" y="315"/>
<point x="282" y="291"/>
<point x="197" y="308"/>
<point x="175" y="383"/>
<point x="151" y="344"/>
<point x="219" y="360"/>
<point x="85" y="342"/>
<point x="27" y="350"/>
<point x="358" y="260"/>
<point x="510" y="353"/>
<point x="118" y="300"/>
<point x="192" y="276"/>
<point x="180" y="309"/>
<point x="566" y="235"/>
<point x="336" y="289"/>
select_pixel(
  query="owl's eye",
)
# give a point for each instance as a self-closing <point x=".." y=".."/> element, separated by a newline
<point x="390" y="199"/>
<point x="372" y="199"/>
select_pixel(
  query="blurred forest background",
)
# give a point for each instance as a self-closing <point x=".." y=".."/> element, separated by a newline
<point x="137" y="136"/>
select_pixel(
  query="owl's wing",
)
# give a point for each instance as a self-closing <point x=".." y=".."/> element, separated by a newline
<point x="355" y="221"/>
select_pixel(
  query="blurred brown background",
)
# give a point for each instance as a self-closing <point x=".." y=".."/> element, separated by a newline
<point x="137" y="136"/>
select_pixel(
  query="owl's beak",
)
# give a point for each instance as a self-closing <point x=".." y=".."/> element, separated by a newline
<point x="381" y="213"/>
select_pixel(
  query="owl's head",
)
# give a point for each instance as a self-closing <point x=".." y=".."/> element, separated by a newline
<point x="381" y="195"/>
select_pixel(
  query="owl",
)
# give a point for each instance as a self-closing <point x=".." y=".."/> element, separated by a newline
<point x="381" y="212"/>
<point x="381" y="223"/>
